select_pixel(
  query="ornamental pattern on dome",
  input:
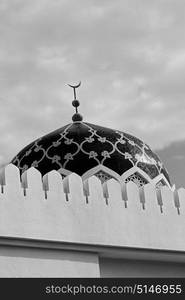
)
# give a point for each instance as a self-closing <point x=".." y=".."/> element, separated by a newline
<point x="79" y="147"/>
<point x="137" y="179"/>
<point x="103" y="176"/>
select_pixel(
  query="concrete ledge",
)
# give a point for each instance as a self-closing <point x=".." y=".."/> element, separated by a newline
<point x="104" y="251"/>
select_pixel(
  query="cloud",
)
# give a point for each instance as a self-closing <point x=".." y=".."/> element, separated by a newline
<point x="130" y="56"/>
<point x="173" y="157"/>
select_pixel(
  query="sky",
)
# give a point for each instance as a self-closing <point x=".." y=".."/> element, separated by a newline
<point x="128" y="54"/>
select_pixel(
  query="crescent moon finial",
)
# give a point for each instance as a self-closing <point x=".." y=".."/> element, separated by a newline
<point x="74" y="87"/>
<point x="76" y="117"/>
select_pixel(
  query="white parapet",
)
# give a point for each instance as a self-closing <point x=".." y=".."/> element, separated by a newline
<point x="69" y="210"/>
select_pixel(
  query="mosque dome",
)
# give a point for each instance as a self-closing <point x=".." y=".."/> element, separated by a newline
<point x="87" y="149"/>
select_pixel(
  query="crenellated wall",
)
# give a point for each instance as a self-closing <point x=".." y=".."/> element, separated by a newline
<point x="86" y="212"/>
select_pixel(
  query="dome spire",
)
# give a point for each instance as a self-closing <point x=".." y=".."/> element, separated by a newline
<point x="76" y="117"/>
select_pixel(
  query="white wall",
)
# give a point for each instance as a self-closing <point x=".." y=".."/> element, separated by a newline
<point x="140" y="268"/>
<point x="32" y="216"/>
<point x="33" y="262"/>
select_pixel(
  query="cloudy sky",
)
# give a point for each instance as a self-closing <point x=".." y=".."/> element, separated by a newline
<point x="129" y="55"/>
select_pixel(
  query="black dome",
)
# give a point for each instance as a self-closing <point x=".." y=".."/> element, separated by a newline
<point x="79" y="147"/>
